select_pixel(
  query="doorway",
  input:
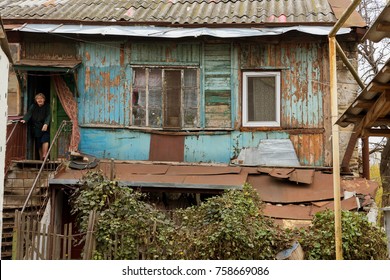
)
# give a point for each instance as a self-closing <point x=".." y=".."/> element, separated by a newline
<point x="37" y="82"/>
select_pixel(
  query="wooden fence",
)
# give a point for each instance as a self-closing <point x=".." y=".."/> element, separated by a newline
<point x="33" y="240"/>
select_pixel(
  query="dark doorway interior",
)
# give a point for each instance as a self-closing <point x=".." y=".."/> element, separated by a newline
<point x="37" y="82"/>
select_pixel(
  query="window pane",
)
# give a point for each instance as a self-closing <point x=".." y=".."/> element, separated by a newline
<point x="139" y="97"/>
<point x="261" y="99"/>
<point x="172" y="82"/>
<point x="155" y="98"/>
<point x="190" y="78"/>
<point x="190" y="99"/>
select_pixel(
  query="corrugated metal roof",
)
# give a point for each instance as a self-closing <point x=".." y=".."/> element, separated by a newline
<point x="372" y="103"/>
<point x="178" y="12"/>
<point x="380" y="28"/>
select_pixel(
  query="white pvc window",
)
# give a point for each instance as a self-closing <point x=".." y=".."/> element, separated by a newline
<point x="261" y="99"/>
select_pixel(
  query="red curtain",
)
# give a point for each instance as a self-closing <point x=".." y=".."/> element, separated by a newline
<point x="69" y="104"/>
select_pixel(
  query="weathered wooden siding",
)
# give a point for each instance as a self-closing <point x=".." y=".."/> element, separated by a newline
<point x="105" y="86"/>
<point x="168" y="54"/>
<point x="302" y="70"/>
<point x="217" y="85"/>
<point x="103" y="82"/>
<point x="309" y="148"/>
<point x="304" y="91"/>
<point x="49" y="50"/>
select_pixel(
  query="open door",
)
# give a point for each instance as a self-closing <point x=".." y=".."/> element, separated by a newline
<point x="42" y="82"/>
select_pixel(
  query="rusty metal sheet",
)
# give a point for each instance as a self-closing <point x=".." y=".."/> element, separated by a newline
<point x="166" y="148"/>
<point x="347" y="204"/>
<point x="154" y="176"/>
<point x="250" y="170"/>
<point x="202" y="170"/>
<point x="228" y="179"/>
<point x="320" y="203"/>
<point x="282" y="173"/>
<point x="266" y="170"/>
<point x="304" y="176"/>
<point x="141" y="169"/>
<point x="360" y="186"/>
<point x="282" y="191"/>
<point x="134" y="179"/>
<point x="296" y="212"/>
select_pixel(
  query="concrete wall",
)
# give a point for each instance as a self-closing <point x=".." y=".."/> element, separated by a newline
<point x="4" y="67"/>
<point x="347" y="90"/>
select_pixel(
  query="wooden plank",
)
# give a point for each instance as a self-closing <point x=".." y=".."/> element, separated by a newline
<point x="377" y="87"/>
<point x="363" y="104"/>
<point x="33" y="239"/>
<point x="44" y="242"/>
<point x="379" y="132"/>
<point x="379" y="110"/>
<point x="27" y="238"/>
<point x="54" y="245"/>
<point x="64" y="242"/>
<point x="39" y="237"/>
<point x="70" y="237"/>
<point x="16" y="236"/>
<point x="88" y="249"/>
<point x="383" y="26"/>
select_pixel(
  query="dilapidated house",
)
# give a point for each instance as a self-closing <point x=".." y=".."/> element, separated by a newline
<point x="188" y="95"/>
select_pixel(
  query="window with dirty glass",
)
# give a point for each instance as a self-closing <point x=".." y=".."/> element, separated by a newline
<point x="261" y="99"/>
<point x="165" y="98"/>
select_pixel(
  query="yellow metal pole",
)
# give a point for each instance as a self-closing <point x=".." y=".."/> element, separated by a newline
<point x="335" y="128"/>
<point x="335" y="147"/>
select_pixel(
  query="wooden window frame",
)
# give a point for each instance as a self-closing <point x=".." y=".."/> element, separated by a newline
<point x="182" y="125"/>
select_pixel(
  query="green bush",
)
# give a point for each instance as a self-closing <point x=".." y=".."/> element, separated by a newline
<point x="360" y="239"/>
<point x="126" y="227"/>
<point x="229" y="226"/>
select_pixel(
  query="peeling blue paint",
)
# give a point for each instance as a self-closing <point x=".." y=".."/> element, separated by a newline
<point x="119" y="144"/>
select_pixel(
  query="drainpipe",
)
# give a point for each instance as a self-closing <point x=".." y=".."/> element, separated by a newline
<point x="335" y="128"/>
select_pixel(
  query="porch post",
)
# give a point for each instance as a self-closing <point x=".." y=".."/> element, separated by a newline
<point x="335" y="148"/>
<point x="335" y="129"/>
<point x="366" y="157"/>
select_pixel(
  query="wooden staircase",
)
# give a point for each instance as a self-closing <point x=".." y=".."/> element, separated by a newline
<point x="17" y="184"/>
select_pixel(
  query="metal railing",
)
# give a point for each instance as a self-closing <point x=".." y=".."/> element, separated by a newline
<point x="62" y="131"/>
